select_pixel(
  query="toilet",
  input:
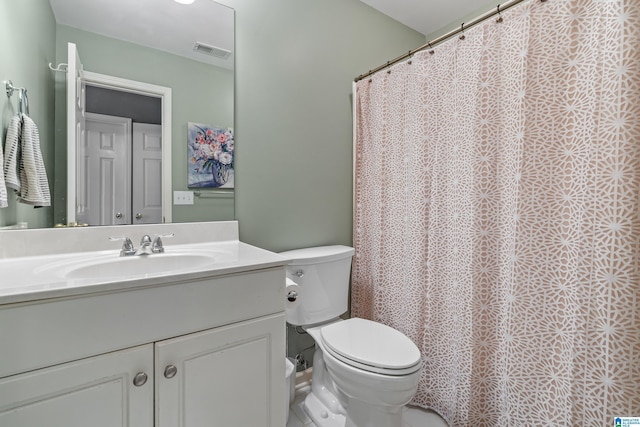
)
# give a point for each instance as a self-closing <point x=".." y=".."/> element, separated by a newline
<point x="364" y="372"/>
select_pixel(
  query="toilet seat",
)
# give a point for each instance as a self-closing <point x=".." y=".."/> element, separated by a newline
<point x="371" y="346"/>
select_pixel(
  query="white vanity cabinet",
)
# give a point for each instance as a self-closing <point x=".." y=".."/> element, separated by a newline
<point x="192" y="353"/>
<point x="227" y="376"/>
<point x="97" y="391"/>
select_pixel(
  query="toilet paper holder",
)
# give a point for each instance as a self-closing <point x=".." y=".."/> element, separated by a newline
<point x="292" y="289"/>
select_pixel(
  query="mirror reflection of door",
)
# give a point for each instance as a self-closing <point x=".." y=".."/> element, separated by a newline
<point x="120" y="160"/>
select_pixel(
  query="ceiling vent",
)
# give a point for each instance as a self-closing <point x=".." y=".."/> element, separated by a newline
<point x="212" y="50"/>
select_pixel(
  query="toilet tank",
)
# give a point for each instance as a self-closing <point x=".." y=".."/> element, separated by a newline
<point x="322" y="275"/>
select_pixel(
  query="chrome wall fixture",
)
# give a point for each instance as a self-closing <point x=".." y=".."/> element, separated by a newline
<point x="23" y="100"/>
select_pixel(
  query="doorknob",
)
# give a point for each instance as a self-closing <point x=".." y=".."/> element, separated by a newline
<point x="138" y="215"/>
<point x="118" y="215"/>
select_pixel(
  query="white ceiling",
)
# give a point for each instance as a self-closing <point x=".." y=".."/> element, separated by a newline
<point x="427" y="16"/>
<point x="138" y="21"/>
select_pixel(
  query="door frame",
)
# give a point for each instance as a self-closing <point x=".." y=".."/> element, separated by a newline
<point x="146" y="89"/>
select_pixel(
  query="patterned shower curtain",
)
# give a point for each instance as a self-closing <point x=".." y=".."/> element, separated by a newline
<point x="497" y="215"/>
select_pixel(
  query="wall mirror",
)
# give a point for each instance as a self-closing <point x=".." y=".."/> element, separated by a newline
<point x="154" y="65"/>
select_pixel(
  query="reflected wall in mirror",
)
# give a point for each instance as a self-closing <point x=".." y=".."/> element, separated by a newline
<point x="201" y="83"/>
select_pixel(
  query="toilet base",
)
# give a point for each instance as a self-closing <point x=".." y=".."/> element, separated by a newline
<point x="360" y="414"/>
<point x="320" y="414"/>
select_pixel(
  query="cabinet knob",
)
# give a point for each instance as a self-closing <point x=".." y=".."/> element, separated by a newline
<point x="138" y="215"/>
<point x="140" y="379"/>
<point x="170" y="371"/>
<point x="118" y="215"/>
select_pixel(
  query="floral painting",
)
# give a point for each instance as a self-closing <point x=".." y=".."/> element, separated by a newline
<point x="210" y="156"/>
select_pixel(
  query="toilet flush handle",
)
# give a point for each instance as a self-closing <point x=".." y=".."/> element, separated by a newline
<point x="299" y="273"/>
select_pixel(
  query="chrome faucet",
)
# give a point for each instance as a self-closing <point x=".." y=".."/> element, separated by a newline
<point x="147" y="247"/>
<point x="127" y="246"/>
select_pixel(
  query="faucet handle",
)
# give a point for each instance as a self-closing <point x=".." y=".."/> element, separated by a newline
<point x="157" y="247"/>
<point x="127" y="245"/>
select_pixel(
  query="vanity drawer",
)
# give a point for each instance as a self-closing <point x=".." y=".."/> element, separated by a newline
<point x="49" y="332"/>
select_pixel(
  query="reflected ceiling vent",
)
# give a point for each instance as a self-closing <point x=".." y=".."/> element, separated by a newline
<point x="212" y="50"/>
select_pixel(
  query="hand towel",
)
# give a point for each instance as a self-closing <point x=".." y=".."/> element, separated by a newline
<point x="4" y="201"/>
<point x="33" y="177"/>
<point x="12" y="153"/>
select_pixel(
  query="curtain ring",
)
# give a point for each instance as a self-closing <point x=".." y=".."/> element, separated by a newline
<point x="499" y="20"/>
<point x="462" y="37"/>
<point x="431" y="51"/>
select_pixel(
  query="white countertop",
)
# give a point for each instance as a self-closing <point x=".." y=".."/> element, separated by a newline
<point x="32" y="278"/>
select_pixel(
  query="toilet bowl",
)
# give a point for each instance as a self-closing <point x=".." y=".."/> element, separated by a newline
<point x="364" y="372"/>
<point x="370" y="369"/>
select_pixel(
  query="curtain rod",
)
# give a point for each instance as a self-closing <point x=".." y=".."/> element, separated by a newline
<point x="499" y="9"/>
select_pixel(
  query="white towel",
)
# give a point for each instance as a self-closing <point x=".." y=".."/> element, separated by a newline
<point x="12" y="152"/>
<point x="4" y="201"/>
<point x="33" y="177"/>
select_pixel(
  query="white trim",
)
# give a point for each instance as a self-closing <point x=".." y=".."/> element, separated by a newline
<point x="164" y="93"/>
<point x="72" y="59"/>
<point x="354" y="103"/>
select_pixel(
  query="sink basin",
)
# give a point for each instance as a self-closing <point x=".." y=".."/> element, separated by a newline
<point x="113" y="266"/>
<point x="137" y="265"/>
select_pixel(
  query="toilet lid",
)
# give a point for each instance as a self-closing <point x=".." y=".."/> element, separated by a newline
<point x="372" y="344"/>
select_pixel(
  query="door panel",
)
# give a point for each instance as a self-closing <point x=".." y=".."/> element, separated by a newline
<point x="96" y="392"/>
<point x="147" y="174"/>
<point x="104" y="198"/>
<point x="229" y="376"/>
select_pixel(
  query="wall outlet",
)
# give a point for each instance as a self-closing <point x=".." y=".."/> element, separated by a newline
<point x="183" y="197"/>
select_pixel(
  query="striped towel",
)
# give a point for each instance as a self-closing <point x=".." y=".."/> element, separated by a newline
<point x="35" y="186"/>
<point x="12" y="153"/>
<point x="23" y="168"/>
<point x="4" y="201"/>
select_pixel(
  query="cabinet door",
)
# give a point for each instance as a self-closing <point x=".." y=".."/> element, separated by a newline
<point x="97" y="392"/>
<point x="232" y="376"/>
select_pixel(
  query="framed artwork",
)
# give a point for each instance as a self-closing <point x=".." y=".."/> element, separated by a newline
<point x="210" y="156"/>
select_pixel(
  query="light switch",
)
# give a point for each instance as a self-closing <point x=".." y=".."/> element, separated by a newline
<point x="183" y="197"/>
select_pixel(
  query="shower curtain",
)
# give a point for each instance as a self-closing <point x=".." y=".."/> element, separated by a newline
<point x="497" y="215"/>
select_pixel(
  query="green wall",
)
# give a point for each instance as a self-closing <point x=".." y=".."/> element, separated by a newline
<point x="24" y="59"/>
<point x="481" y="10"/>
<point x="200" y="93"/>
<point x="295" y="63"/>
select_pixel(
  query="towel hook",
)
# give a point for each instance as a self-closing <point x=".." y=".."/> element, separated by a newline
<point x="10" y="88"/>
<point x="23" y="100"/>
<point x="60" y="67"/>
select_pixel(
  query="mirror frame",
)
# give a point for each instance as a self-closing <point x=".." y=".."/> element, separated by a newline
<point x="147" y="89"/>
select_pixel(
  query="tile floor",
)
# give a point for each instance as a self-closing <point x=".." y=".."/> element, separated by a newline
<point x="413" y="417"/>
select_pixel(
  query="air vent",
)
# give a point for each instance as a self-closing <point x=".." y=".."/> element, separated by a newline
<point x="212" y="50"/>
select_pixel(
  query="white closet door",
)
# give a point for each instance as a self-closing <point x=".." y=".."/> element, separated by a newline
<point x="147" y="174"/>
<point x="104" y="172"/>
